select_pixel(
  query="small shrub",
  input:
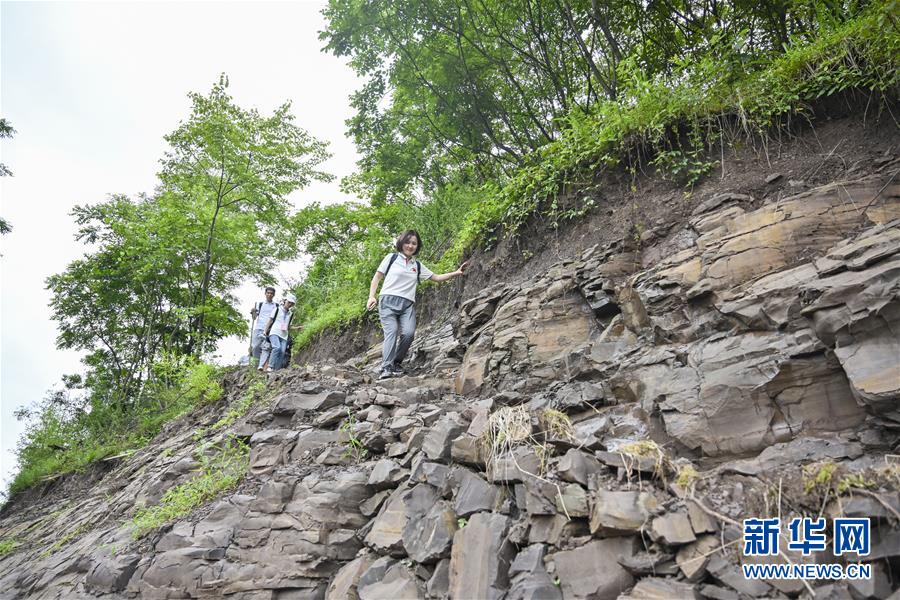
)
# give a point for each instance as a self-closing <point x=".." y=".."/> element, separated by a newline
<point x="647" y="449"/>
<point x="684" y="167"/>
<point x="818" y="475"/>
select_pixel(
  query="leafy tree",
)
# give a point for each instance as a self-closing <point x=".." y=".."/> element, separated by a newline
<point x="122" y="303"/>
<point x="225" y="186"/>
<point x="6" y="131"/>
<point x="159" y="275"/>
<point x="477" y="86"/>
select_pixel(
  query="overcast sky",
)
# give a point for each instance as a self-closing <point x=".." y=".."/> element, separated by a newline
<point x="91" y="88"/>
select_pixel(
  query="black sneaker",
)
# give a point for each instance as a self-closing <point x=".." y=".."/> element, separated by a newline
<point x="386" y="374"/>
<point x="397" y="371"/>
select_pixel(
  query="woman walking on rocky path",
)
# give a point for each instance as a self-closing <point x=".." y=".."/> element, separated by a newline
<point x="401" y="273"/>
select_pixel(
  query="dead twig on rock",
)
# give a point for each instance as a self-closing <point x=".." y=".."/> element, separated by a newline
<point x="730" y="521"/>
<point x="879" y="499"/>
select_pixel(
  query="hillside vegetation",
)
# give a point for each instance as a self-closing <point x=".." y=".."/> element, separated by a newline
<point x="472" y="117"/>
<point x="476" y="115"/>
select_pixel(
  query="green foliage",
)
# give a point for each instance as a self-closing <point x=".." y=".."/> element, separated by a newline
<point x="161" y="269"/>
<point x="220" y="471"/>
<point x="6" y="131"/>
<point x="654" y="111"/>
<point x="70" y="429"/>
<point x="182" y="383"/>
<point x="685" y="167"/>
<point x="354" y="447"/>
<point x="225" y="185"/>
<point x="240" y="407"/>
<point x="456" y="87"/>
<point x="154" y="290"/>
<point x="8" y="546"/>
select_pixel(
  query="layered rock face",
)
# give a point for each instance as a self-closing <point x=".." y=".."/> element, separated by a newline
<point x="748" y="328"/>
<point x="599" y="431"/>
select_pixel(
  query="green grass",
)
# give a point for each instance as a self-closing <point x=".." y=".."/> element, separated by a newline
<point x="8" y="546"/>
<point x="55" y="444"/>
<point x="242" y="405"/>
<point x="65" y="539"/>
<point x="218" y="474"/>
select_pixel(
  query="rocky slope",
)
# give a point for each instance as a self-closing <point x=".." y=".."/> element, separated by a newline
<point x="598" y="430"/>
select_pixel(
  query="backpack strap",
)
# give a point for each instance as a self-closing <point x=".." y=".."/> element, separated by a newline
<point x="390" y="262"/>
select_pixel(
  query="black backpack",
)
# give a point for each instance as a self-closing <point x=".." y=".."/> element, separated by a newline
<point x="418" y="268"/>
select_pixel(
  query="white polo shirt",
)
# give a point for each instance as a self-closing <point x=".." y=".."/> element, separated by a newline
<point x="280" y="326"/>
<point x="265" y="313"/>
<point x="401" y="278"/>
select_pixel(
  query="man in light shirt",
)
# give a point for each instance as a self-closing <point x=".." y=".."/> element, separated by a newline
<point x="277" y="333"/>
<point x="262" y="312"/>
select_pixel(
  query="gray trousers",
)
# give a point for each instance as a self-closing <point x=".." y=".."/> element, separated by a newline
<point x="258" y="336"/>
<point x="275" y="353"/>
<point x="398" y="319"/>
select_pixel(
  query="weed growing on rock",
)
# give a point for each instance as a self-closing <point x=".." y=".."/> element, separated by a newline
<point x="218" y="473"/>
<point x="543" y="452"/>
<point x="556" y="424"/>
<point x="511" y="427"/>
<point x="7" y="546"/>
<point x="632" y="452"/>
<point x="68" y="537"/>
<point x="354" y="447"/>
<point x="238" y="409"/>
<point x="827" y="478"/>
<point x="507" y="428"/>
<point x="686" y="476"/>
<point x="817" y="475"/>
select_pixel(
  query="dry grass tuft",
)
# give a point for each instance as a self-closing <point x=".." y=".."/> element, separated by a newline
<point x="507" y="428"/>
<point x="556" y="424"/>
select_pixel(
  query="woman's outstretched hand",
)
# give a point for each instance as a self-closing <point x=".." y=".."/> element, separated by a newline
<point x="463" y="267"/>
<point x="371" y="303"/>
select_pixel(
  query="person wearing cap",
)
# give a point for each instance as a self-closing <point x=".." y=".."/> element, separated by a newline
<point x="277" y="333"/>
<point x="261" y="312"/>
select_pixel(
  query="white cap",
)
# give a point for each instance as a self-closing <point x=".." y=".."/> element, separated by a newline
<point x="291" y="298"/>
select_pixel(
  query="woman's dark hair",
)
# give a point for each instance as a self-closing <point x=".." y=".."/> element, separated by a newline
<point x="405" y="238"/>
